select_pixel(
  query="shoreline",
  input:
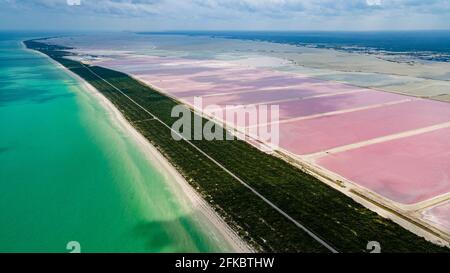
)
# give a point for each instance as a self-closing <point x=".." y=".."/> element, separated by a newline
<point x="275" y="236"/>
<point x="198" y="205"/>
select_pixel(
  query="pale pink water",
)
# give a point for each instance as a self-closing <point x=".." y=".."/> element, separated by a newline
<point x="265" y="96"/>
<point x="407" y="170"/>
<point x="440" y="215"/>
<point x="340" y="102"/>
<point x="323" y="133"/>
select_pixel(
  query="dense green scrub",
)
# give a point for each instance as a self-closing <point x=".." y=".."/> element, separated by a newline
<point x="343" y="223"/>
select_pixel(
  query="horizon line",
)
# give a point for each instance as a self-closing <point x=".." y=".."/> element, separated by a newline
<point x="219" y="30"/>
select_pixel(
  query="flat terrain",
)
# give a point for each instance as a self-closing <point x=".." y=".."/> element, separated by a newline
<point x="403" y="74"/>
<point x="317" y="117"/>
<point x="337" y="219"/>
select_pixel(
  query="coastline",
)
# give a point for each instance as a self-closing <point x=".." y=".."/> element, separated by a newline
<point x="360" y="222"/>
<point x="205" y="212"/>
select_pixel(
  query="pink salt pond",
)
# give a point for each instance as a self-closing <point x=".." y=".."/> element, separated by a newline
<point x="406" y="170"/>
<point x="321" y="105"/>
<point x="322" y="133"/>
<point x="439" y="215"/>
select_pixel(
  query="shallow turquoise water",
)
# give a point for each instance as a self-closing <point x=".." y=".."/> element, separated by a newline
<point x="68" y="173"/>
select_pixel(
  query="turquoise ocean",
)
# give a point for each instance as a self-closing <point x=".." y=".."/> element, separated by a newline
<point x="69" y="173"/>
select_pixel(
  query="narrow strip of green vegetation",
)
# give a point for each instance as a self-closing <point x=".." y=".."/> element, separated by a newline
<point x="339" y="220"/>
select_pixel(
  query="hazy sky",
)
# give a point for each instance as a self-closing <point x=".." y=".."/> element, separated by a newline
<point x="225" y="14"/>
